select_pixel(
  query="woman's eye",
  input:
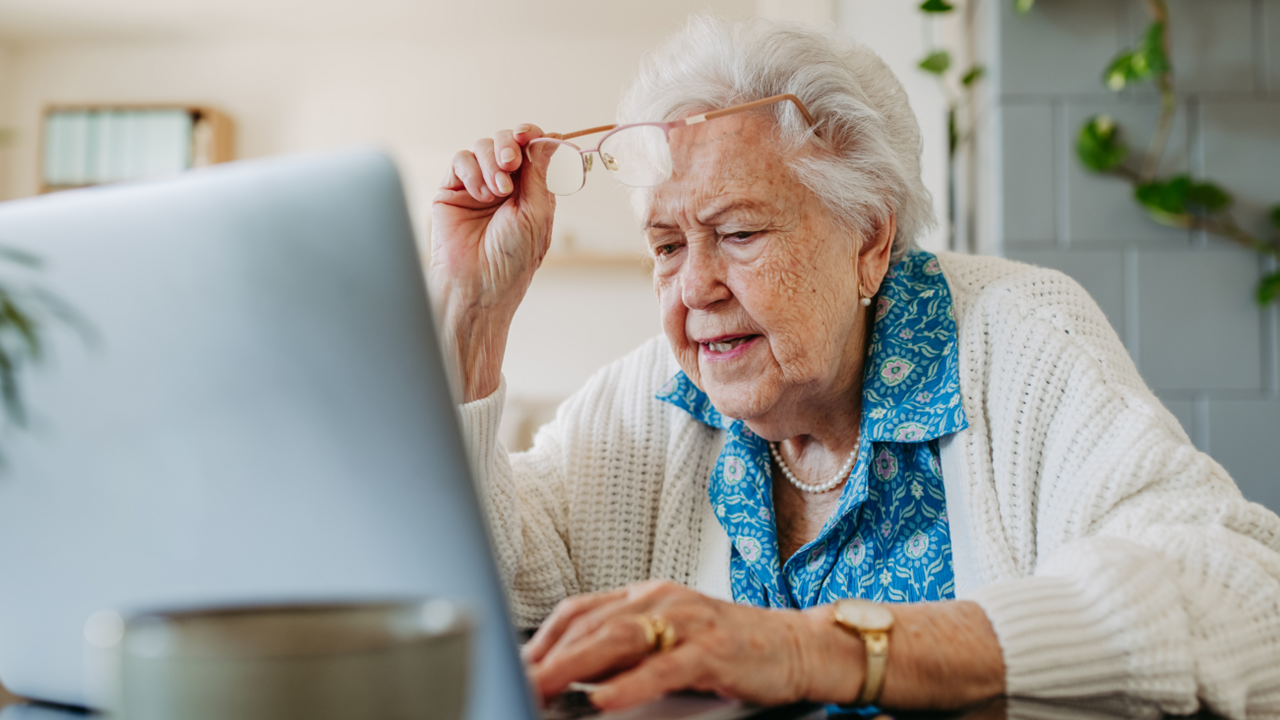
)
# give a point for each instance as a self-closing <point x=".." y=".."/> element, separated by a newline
<point x="742" y="234"/>
<point x="664" y="250"/>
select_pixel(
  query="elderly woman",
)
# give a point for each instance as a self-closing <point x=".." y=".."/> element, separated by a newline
<point x="961" y="444"/>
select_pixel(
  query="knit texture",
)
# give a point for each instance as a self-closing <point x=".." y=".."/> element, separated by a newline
<point x="1114" y="558"/>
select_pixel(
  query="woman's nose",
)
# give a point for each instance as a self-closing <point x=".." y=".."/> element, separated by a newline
<point x="702" y="277"/>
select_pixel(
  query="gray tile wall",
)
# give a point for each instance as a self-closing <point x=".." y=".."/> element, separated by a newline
<point x="1181" y="301"/>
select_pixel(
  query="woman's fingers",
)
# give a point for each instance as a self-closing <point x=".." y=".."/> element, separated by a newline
<point x="501" y="156"/>
<point x="619" y="643"/>
<point x="629" y="603"/>
<point x="463" y="199"/>
<point x="561" y="618"/>
<point x="507" y="151"/>
<point x="496" y="179"/>
<point x="586" y="623"/>
<point x="758" y="655"/>
<point x="466" y="172"/>
<point x="485" y="171"/>
<point x="680" y="669"/>
<point x="525" y="132"/>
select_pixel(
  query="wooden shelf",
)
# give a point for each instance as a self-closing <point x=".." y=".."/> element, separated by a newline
<point x="106" y="142"/>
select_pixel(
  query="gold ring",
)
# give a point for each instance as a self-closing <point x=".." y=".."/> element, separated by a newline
<point x="650" y="632"/>
<point x="659" y="635"/>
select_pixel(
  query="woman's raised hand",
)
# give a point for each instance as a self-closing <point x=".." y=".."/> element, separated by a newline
<point x="764" y="656"/>
<point x="490" y="228"/>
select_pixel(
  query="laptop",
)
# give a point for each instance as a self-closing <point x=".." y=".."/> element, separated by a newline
<point x="258" y="413"/>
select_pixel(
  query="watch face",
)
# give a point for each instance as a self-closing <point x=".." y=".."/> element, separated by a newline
<point x="864" y="615"/>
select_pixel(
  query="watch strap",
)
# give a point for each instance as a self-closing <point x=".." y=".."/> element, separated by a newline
<point x="877" y="643"/>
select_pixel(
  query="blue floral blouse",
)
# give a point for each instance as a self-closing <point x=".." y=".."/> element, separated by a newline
<point x="888" y="539"/>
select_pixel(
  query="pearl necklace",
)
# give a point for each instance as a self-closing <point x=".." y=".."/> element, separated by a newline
<point x="828" y="485"/>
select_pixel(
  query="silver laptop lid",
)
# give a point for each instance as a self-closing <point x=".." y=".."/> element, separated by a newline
<point x="264" y="417"/>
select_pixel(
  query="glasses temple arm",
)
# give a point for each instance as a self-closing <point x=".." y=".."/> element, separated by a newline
<point x="714" y="114"/>
<point x="752" y="106"/>
<point x="588" y="131"/>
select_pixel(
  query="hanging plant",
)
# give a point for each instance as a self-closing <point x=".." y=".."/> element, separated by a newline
<point x="938" y="63"/>
<point x="1179" y="201"/>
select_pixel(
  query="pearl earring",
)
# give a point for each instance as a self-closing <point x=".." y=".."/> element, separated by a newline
<point x="866" y="302"/>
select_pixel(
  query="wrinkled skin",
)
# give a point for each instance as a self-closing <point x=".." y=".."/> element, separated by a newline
<point x="741" y="250"/>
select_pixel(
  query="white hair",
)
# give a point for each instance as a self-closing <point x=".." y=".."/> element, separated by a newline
<point x="868" y="164"/>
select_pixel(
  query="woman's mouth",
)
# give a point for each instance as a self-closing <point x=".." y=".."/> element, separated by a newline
<point x="726" y="347"/>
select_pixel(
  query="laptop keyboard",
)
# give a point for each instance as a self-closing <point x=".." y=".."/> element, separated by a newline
<point x="567" y="706"/>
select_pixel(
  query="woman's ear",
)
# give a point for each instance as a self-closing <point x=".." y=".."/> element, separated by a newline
<point x="874" y="255"/>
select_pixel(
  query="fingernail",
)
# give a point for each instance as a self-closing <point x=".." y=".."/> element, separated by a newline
<point x="504" y="184"/>
<point x="507" y="155"/>
<point x="601" y="696"/>
<point x="523" y="129"/>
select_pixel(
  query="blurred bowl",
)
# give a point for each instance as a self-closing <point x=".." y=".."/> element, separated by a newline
<point x="358" y="661"/>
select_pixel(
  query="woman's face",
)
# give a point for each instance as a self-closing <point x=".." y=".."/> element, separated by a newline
<point x="757" y="283"/>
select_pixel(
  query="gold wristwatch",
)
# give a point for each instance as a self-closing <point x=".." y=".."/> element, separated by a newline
<point x="871" y="622"/>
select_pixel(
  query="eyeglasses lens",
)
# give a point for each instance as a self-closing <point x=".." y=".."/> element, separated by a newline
<point x="637" y="156"/>
<point x="565" y="172"/>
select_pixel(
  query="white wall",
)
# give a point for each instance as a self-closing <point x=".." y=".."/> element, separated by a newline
<point x="901" y="35"/>
<point x="423" y="101"/>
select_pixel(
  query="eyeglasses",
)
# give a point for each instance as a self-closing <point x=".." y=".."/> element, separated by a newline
<point x="638" y="154"/>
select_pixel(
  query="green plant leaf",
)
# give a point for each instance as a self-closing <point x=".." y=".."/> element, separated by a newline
<point x="937" y="62"/>
<point x="1167" y="196"/>
<point x="1178" y="201"/>
<point x="1024" y="6"/>
<point x="1120" y="71"/>
<point x="1180" y="195"/>
<point x="1099" y="145"/>
<point x="1275" y="217"/>
<point x="937" y="6"/>
<point x="1165" y="201"/>
<point x="1146" y="61"/>
<point x="1269" y="288"/>
<point x="976" y="73"/>
<point x="1153" y="49"/>
<point x="1207" y="198"/>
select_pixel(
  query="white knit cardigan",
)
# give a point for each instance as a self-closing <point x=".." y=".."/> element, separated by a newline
<point x="1112" y="558"/>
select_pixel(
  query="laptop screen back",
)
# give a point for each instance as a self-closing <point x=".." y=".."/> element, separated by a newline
<point x="261" y="415"/>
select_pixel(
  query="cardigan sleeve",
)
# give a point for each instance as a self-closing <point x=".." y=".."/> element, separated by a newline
<point x="526" y="510"/>
<point x="578" y="512"/>
<point x="1126" y="563"/>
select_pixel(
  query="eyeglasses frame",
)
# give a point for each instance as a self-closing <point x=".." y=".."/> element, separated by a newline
<point x="667" y="127"/>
